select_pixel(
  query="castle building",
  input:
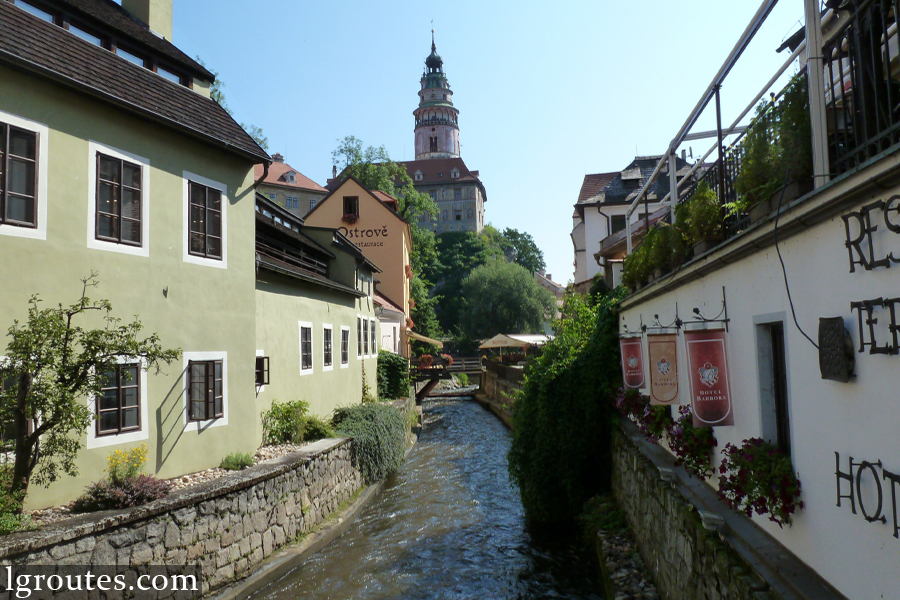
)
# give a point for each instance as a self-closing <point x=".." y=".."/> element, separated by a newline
<point x="438" y="169"/>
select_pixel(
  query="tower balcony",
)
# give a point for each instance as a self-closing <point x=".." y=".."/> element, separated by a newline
<point x="434" y="122"/>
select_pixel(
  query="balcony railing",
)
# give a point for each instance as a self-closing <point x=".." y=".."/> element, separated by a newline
<point x="862" y="62"/>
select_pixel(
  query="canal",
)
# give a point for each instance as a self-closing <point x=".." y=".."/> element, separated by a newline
<point x="448" y="525"/>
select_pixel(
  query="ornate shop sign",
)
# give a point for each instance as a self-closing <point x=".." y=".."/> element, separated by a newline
<point x="867" y="478"/>
<point x="632" y="362"/>
<point x="663" y="368"/>
<point x="708" y="375"/>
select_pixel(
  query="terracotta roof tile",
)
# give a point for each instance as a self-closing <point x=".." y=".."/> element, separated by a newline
<point x="383" y="301"/>
<point x="30" y="44"/>
<point x="276" y="174"/>
<point x="593" y="185"/>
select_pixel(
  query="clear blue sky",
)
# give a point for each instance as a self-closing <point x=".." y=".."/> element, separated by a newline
<point x="547" y="92"/>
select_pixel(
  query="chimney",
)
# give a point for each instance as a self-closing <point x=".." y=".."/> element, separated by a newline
<point x="155" y="13"/>
<point x="334" y="171"/>
<point x="549" y="276"/>
<point x="277" y="157"/>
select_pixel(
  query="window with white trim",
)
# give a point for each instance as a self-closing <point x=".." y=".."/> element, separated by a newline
<point x="18" y="176"/>
<point x="365" y="329"/>
<point x="118" y="201"/>
<point x="372" y="337"/>
<point x="327" y="335"/>
<point x="359" y="337"/>
<point x="345" y="347"/>
<point x="205" y="221"/>
<point x="118" y="406"/>
<point x="306" y="348"/>
<point x="205" y="390"/>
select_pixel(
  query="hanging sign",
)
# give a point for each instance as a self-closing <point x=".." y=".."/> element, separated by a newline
<point x="663" y="369"/>
<point x="632" y="362"/>
<point x="708" y="375"/>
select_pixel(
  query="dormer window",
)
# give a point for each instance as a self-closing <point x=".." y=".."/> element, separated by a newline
<point x="454" y="174"/>
<point x="289" y="176"/>
<point x="417" y="176"/>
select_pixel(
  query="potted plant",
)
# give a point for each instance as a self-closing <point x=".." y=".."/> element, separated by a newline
<point x="703" y="219"/>
<point x="691" y="445"/>
<point x="758" y="477"/>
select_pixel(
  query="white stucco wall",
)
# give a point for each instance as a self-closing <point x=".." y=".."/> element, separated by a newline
<point x="859" y="419"/>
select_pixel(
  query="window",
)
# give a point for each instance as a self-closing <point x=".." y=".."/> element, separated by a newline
<point x="168" y="75"/>
<point x="351" y="206"/>
<point x="312" y="203"/>
<point x="18" y="176"/>
<point x="365" y="328"/>
<point x="617" y="223"/>
<point x="418" y="176"/>
<point x="326" y="346"/>
<point x="458" y="214"/>
<point x="89" y="37"/>
<point x="444" y="216"/>
<point x="130" y="57"/>
<point x="359" y="336"/>
<point x="262" y="370"/>
<point x="457" y="194"/>
<point x="272" y="197"/>
<point x="345" y="346"/>
<point x="433" y="141"/>
<point x="454" y="174"/>
<point x="773" y="385"/>
<point x="433" y="194"/>
<point x="205" y="390"/>
<point x="306" y="352"/>
<point x="118" y="201"/>
<point x="34" y="10"/>
<point x="372" y="336"/>
<point x="119" y="402"/>
<point x="205" y="221"/>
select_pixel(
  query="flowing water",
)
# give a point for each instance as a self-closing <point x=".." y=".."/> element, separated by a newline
<point x="448" y="525"/>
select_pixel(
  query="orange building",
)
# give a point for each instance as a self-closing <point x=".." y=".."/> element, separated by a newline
<point x="370" y="220"/>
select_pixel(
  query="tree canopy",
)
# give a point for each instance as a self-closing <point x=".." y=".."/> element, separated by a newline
<point x="523" y="250"/>
<point x="503" y="297"/>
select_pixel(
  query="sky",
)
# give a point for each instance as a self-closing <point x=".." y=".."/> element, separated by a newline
<point x="546" y="92"/>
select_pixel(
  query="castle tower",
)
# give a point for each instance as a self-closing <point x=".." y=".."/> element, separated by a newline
<point x="437" y="130"/>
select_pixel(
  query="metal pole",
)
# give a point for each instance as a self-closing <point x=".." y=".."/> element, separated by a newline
<point x="816" y="85"/>
<point x="673" y="185"/>
<point x="721" y="149"/>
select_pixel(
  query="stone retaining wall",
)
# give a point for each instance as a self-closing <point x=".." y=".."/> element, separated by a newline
<point x="501" y="382"/>
<point x="227" y="526"/>
<point x="688" y="561"/>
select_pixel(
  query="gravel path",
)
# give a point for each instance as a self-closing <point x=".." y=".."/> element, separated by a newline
<point x="626" y="568"/>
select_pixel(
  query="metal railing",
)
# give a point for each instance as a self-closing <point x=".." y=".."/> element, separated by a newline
<point x="862" y="94"/>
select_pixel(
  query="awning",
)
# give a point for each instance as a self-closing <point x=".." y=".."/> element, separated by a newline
<point x="515" y="340"/>
<point x="422" y="338"/>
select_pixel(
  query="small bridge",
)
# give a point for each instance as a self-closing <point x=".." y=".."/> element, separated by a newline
<point x="436" y="370"/>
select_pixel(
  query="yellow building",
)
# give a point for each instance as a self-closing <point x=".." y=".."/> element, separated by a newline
<point x="370" y="220"/>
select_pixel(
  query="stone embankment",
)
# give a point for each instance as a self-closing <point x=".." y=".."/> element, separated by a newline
<point x="228" y="525"/>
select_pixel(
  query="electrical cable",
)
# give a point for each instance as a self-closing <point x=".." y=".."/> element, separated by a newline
<point x="783" y="270"/>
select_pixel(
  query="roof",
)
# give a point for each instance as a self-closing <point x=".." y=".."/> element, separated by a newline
<point x="387" y="199"/>
<point x="35" y="46"/>
<point x="277" y="170"/>
<point x="517" y="340"/>
<point x="386" y="303"/>
<point x="437" y="171"/>
<point x="374" y="193"/>
<point x="593" y="185"/>
<point x="625" y="186"/>
<point x="106" y="14"/>
<point x="291" y="223"/>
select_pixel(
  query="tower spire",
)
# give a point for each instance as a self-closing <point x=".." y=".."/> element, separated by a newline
<point x="437" y="131"/>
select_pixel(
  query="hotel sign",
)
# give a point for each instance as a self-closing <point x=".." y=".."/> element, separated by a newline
<point x="708" y="376"/>
<point x="632" y="362"/>
<point x="663" y="368"/>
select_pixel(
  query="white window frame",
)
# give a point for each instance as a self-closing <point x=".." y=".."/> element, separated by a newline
<point x="92" y="242"/>
<point x="329" y="327"/>
<point x="260" y="388"/>
<point x="185" y="377"/>
<point x="312" y="347"/>
<point x="359" y="345"/>
<point x="122" y="438"/>
<point x="365" y="336"/>
<point x="345" y="365"/>
<point x="43" y="142"/>
<point x="187" y="257"/>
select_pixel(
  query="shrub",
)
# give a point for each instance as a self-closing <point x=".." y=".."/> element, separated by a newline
<point x="237" y="461"/>
<point x="393" y="375"/>
<point x="126" y="464"/>
<point x="462" y="379"/>
<point x="317" y="429"/>
<point x="284" y="422"/>
<point x="758" y="477"/>
<point x="704" y="215"/>
<point x="11" y="519"/>
<point x="134" y="491"/>
<point x="379" y="438"/>
<point x="692" y="446"/>
<point x="561" y="449"/>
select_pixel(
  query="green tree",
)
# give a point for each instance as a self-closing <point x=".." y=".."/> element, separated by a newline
<point x="52" y="364"/>
<point x="502" y="297"/>
<point x="217" y="93"/>
<point x="562" y="426"/>
<point x="524" y="251"/>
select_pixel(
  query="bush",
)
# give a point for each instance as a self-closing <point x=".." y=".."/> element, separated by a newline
<point x="462" y="379"/>
<point x="317" y="429"/>
<point x="393" y="376"/>
<point x="562" y="423"/>
<point x="379" y="438"/>
<point x="704" y="215"/>
<point x="285" y="422"/>
<point x="126" y="464"/>
<point x="237" y="461"/>
<point x="134" y="491"/>
<point x="11" y="519"/>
